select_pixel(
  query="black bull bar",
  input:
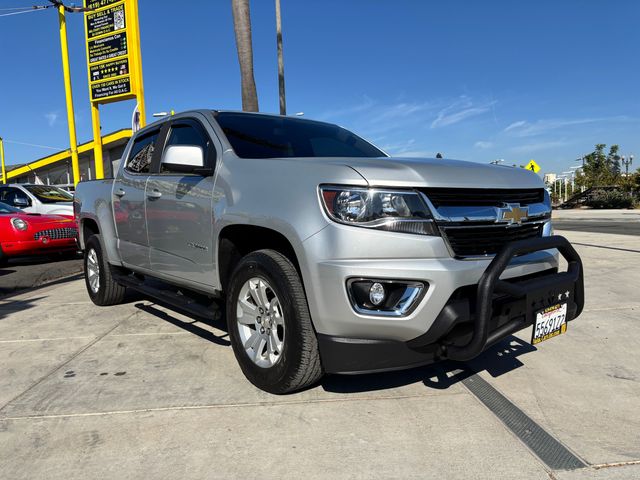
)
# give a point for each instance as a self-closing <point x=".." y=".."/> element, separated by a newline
<point x="539" y="292"/>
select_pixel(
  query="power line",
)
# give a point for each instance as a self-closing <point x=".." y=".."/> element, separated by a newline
<point x="35" y="8"/>
<point x="32" y="145"/>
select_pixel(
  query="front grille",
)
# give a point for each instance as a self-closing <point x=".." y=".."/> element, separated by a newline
<point x="57" y="233"/>
<point x="467" y="241"/>
<point x="474" y="197"/>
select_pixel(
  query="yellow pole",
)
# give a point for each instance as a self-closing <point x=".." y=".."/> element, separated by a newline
<point x="4" y="172"/>
<point x="68" y="92"/>
<point x="97" y="140"/>
<point x="136" y="56"/>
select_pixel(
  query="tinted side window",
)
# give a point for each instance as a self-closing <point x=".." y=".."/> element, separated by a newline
<point x="9" y="196"/>
<point x="142" y="153"/>
<point x="187" y="134"/>
<point x="266" y="136"/>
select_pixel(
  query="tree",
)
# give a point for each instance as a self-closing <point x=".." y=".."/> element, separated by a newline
<point x="600" y="169"/>
<point x="242" y="27"/>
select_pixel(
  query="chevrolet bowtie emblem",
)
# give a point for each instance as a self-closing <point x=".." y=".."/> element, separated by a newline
<point x="513" y="213"/>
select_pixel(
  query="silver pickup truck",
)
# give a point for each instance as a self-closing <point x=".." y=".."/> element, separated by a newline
<point x="325" y="254"/>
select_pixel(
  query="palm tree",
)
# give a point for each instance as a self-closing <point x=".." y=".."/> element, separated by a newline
<point x="242" y="27"/>
<point x="283" y="102"/>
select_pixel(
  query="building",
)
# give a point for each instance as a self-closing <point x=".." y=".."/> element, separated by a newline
<point x="56" y="169"/>
<point x="549" y="178"/>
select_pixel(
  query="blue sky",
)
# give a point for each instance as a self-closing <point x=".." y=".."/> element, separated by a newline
<point x="476" y="80"/>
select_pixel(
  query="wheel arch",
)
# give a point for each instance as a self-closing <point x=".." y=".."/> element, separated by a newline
<point x="236" y="241"/>
<point x="88" y="227"/>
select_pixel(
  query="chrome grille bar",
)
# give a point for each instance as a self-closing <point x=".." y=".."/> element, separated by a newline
<point x="56" y="233"/>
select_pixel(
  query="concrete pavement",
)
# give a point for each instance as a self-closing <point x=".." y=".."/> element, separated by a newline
<point x="618" y="222"/>
<point x="138" y="390"/>
<point x="28" y="272"/>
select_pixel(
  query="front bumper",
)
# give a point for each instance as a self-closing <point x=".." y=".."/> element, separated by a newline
<point x="474" y="317"/>
<point x="36" y="247"/>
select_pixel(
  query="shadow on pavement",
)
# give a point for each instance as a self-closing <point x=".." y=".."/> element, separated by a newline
<point x="8" y="293"/>
<point x="42" y="259"/>
<point x="13" y="306"/>
<point x="497" y="360"/>
<point x="28" y="273"/>
<point x="190" y="327"/>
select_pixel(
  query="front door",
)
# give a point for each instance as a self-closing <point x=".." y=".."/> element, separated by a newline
<point x="179" y="211"/>
<point x="129" y="200"/>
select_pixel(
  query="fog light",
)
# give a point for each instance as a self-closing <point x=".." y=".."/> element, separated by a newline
<point x="383" y="297"/>
<point x="376" y="293"/>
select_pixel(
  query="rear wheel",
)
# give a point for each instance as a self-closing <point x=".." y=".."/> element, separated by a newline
<point x="101" y="286"/>
<point x="270" y="325"/>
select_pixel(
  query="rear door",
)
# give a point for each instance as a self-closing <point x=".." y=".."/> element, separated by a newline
<point x="179" y="208"/>
<point x="129" y="199"/>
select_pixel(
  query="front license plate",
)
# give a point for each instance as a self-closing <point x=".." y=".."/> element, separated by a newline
<point x="550" y="322"/>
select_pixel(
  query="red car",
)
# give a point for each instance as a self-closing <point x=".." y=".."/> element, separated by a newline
<point x="32" y="234"/>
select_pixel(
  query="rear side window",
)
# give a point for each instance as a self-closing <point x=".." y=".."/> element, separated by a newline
<point x="142" y="153"/>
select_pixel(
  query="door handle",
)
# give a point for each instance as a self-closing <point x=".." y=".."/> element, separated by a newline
<point x="154" y="194"/>
<point x="119" y="193"/>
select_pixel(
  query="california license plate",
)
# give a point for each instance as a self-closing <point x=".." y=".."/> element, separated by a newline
<point x="550" y="322"/>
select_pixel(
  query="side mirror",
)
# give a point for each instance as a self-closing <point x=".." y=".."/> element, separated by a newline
<point x="185" y="159"/>
<point x="21" y="202"/>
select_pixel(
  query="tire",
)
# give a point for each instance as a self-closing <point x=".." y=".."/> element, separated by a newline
<point x="3" y="259"/>
<point x="106" y="291"/>
<point x="297" y="365"/>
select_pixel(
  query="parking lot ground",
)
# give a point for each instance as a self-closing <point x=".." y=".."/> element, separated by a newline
<point x="138" y="390"/>
<point x="29" y="272"/>
<point x="618" y="222"/>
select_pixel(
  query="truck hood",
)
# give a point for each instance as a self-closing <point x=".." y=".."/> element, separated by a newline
<point x="433" y="172"/>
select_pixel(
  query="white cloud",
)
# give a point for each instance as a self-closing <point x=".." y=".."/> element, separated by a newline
<point x="332" y="115"/>
<point x="536" y="147"/>
<point x="529" y="129"/>
<point x="460" y="110"/>
<point x="401" y="110"/>
<point x="483" y="145"/>
<point x="415" y="153"/>
<point x="515" y="125"/>
<point x="51" y="117"/>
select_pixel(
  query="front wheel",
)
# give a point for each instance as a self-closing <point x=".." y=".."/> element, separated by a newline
<point x="270" y="325"/>
<point x="101" y="286"/>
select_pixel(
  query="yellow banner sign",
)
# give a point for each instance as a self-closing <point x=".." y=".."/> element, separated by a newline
<point x="112" y="50"/>
<point x="106" y="21"/>
<point x="97" y="4"/>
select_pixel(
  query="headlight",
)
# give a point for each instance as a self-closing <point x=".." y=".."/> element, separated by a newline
<point x="395" y="211"/>
<point x="19" y="224"/>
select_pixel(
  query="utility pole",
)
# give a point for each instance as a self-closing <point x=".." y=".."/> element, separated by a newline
<point x="4" y="172"/>
<point x="283" y="101"/>
<point x="73" y="141"/>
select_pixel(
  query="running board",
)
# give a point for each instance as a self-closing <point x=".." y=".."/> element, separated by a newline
<point x="168" y="295"/>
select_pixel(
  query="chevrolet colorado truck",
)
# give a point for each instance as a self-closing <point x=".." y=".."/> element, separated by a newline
<point x="325" y="254"/>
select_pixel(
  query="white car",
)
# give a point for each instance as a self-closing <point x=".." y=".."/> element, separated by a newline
<point x="43" y="199"/>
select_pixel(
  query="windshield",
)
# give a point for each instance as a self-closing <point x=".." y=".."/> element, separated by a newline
<point x="48" y="194"/>
<point x="264" y="136"/>
<point x="4" y="208"/>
